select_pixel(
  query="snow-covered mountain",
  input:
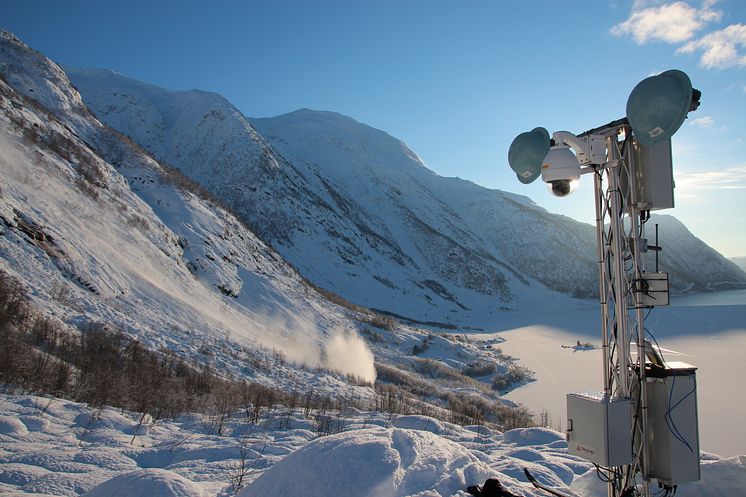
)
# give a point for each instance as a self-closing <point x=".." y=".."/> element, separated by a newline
<point x="357" y="212"/>
<point x="100" y="232"/>
<point x="739" y="261"/>
<point x="352" y="208"/>
<point x="690" y="261"/>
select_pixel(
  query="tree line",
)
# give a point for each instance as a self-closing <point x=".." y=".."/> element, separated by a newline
<point x="100" y="365"/>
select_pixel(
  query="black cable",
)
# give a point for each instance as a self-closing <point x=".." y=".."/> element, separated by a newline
<point x="669" y="419"/>
<point x="613" y="479"/>
<point x="602" y="476"/>
<point x="648" y="314"/>
<point x="644" y="218"/>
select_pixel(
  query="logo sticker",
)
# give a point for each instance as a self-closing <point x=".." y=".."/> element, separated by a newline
<point x="655" y="131"/>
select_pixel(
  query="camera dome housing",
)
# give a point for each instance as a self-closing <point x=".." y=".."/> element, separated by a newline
<point x="560" y="171"/>
<point x="562" y="187"/>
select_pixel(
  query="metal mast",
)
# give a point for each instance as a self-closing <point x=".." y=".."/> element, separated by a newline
<point x="620" y="265"/>
<point x="630" y="160"/>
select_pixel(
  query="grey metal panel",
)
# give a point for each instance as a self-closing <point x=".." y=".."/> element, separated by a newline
<point x="673" y="433"/>
<point x="653" y="176"/>
<point x="600" y="431"/>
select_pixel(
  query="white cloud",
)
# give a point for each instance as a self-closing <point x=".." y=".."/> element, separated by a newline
<point x="733" y="178"/>
<point x="672" y="23"/>
<point x="704" y="121"/>
<point x="681" y="23"/>
<point x="721" y="49"/>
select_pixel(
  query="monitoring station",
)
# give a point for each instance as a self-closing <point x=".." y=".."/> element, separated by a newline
<point x="642" y="426"/>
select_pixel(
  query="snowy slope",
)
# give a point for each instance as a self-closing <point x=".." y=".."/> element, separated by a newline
<point x="357" y="212"/>
<point x="739" y="261"/>
<point x="688" y="259"/>
<point x="100" y="232"/>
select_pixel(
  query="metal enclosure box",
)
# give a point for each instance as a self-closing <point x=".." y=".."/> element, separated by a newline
<point x="599" y="429"/>
<point x="656" y="291"/>
<point x="673" y="433"/>
<point x="653" y="171"/>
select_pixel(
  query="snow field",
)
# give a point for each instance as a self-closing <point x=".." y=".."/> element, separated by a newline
<point x="61" y="448"/>
<point x="53" y="447"/>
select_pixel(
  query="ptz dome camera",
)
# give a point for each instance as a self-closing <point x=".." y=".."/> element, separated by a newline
<point x="561" y="170"/>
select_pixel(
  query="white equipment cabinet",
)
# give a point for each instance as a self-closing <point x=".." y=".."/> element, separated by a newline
<point x="673" y="434"/>
<point x="598" y="428"/>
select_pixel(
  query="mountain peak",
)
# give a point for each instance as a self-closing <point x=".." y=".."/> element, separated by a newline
<point x="327" y="118"/>
<point x="358" y="213"/>
<point x="35" y="76"/>
<point x="346" y="137"/>
<point x="95" y="81"/>
<point x="10" y="37"/>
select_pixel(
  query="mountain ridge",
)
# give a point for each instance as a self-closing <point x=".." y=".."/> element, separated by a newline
<point x="101" y="235"/>
<point x="357" y="212"/>
<point x="739" y="261"/>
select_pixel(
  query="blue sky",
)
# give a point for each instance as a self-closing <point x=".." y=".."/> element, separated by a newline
<point x="455" y="80"/>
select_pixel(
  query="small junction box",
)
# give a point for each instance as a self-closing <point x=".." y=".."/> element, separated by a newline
<point x="599" y="428"/>
<point x="653" y="289"/>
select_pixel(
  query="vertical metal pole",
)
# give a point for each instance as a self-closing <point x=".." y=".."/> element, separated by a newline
<point x="602" y="288"/>
<point x="638" y="262"/>
<point x="619" y="282"/>
<point x="621" y="364"/>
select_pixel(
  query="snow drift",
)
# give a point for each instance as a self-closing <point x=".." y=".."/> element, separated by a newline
<point x="376" y="462"/>
<point x="152" y="482"/>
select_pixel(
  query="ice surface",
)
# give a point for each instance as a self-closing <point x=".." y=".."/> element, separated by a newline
<point x="712" y="338"/>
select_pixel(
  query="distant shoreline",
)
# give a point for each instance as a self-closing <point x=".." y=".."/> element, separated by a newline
<point x="726" y="297"/>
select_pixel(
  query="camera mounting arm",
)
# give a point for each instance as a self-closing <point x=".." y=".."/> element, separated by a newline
<point x="589" y="149"/>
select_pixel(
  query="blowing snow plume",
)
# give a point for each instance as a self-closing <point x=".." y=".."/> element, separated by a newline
<point x="349" y="354"/>
<point x="303" y="340"/>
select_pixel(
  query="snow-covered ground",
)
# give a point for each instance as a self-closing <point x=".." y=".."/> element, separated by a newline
<point x="59" y="448"/>
<point x="63" y="448"/>
<point x="712" y="338"/>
